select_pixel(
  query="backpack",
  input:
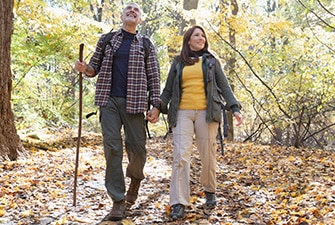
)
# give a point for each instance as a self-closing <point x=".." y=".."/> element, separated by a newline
<point x="109" y="36"/>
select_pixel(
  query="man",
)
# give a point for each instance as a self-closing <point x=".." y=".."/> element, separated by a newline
<point x="125" y="76"/>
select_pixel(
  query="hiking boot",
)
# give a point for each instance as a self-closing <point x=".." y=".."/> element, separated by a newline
<point x="132" y="192"/>
<point x="117" y="213"/>
<point x="210" y="199"/>
<point x="177" y="212"/>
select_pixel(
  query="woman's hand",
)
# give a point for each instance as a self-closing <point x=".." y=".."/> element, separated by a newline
<point x="239" y="118"/>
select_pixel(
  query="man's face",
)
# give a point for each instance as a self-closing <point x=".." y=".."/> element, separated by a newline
<point x="131" y="14"/>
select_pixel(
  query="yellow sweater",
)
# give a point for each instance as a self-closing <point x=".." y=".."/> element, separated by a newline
<point x="193" y="91"/>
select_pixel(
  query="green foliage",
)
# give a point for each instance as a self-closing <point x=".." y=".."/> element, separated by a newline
<point x="44" y="48"/>
<point x="280" y="61"/>
<point x="293" y="97"/>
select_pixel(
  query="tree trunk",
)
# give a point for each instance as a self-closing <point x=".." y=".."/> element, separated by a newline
<point x="96" y="9"/>
<point x="233" y="6"/>
<point x="190" y="4"/>
<point x="10" y="143"/>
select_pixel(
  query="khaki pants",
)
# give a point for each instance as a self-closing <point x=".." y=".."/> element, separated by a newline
<point x="190" y="122"/>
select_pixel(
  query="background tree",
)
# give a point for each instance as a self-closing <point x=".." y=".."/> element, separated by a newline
<point x="10" y="143"/>
<point x="229" y="10"/>
<point x="44" y="50"/>
<point x="278" y="56"/>
<point x="283" y="77"/>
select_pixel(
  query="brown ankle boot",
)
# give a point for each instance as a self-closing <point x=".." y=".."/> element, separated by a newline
<point x="133" y="191"/>
<point x="118" y="211"/>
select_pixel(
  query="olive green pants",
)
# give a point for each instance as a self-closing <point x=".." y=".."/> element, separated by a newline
<point x="113" y="117"/>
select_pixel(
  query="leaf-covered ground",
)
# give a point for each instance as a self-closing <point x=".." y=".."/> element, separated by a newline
<point x="260" y="185"/>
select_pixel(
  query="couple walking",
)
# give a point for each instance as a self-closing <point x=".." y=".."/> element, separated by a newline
<point x="193" y="91"/>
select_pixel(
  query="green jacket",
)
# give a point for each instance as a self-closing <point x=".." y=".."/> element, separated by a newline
<point x="216" y="86"/>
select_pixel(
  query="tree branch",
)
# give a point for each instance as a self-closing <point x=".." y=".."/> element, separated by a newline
<point x="252" y="70"/>
<point x="323" y="21"/>
<point x="319" y="131"/>
<point x="317" y="38"/>
<point x="324" y="8"/>
<point x="253" y="105"/>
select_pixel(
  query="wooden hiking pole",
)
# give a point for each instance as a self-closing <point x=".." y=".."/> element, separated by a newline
<point x="81" y="49"/>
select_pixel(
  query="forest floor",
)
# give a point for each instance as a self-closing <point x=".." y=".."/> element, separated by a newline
<point x="257" y="184"/>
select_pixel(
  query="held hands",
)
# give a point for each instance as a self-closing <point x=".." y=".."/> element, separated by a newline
<point x="153" y="115"/>
<point x="238" y="117"/>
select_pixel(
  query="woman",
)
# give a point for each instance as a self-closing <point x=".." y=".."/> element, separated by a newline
<point x="193" y="91"/>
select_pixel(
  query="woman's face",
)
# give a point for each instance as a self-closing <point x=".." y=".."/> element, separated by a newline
<point x="197" y="40"/>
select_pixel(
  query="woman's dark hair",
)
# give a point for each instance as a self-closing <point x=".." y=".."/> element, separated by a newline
<point x="186" y="54"/>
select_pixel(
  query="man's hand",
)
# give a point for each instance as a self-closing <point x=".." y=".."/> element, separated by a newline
<point x="84" y="68"/>
<point x="153" y="115"/>
<point x="80" y="66"/>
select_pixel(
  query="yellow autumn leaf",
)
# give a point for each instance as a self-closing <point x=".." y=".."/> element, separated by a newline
<point x="26" y="213"/>
<point x="2" y="212"/>
<point x="127" y="222"/>
<point x="61" y="221"/>
<point x="194" y="199"/>
<point x="158" y="205"/>
<point x="294" y="194"/>
<point x="279" y="190"/>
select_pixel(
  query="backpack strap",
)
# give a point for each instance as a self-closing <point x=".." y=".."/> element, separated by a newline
<point x="146" y="46"/>
<point x="109" y="36"/>
<point x="107" y="39"/>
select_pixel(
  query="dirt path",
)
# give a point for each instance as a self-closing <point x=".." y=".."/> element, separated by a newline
<point x="256" y="185"/>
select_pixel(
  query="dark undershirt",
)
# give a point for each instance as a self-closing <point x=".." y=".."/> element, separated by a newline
<point x="120" y="66"/>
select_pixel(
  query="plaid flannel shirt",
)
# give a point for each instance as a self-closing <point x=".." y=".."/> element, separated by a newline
<point x="143" y="77"/>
